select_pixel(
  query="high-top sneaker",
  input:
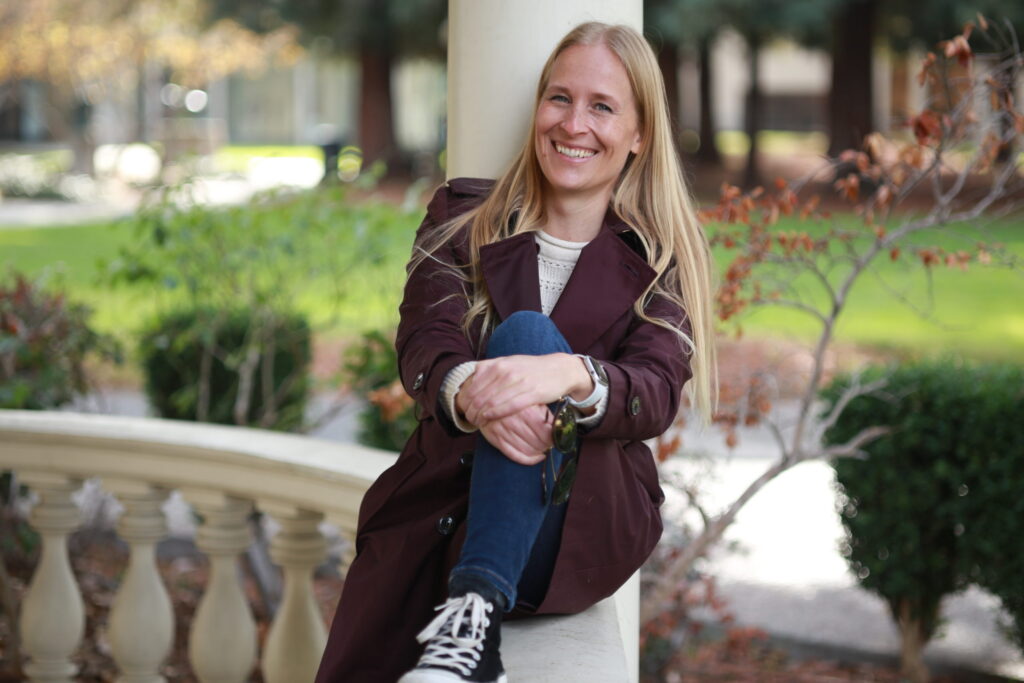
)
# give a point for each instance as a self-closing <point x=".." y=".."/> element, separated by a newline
<point x="461" y="644"/>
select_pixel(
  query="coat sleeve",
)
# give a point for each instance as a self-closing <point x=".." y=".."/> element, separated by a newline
<point x="646" y="375"/>
<point x="430" y="339"/>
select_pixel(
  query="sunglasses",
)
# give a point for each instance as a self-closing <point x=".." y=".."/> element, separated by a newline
<point x="564" y="438"/>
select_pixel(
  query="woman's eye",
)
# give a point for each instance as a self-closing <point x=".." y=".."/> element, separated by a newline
<point x="559" y="98"/>
<point x="601" y="106"/>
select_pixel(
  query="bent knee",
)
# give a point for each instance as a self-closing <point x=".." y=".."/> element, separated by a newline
<point x="527" y="332"/>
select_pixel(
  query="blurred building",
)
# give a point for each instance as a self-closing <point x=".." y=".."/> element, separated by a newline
<point x="795" y="82"/>
<point x="315" y="101"/>
<point x="303" y="104"/>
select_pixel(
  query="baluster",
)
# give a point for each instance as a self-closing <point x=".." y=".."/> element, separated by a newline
<point x="222" y="644"/>
<point x="141" y="626"/>
<point x="52" y="613"/>
<point x="348" y="554"/>
<point x="297" y="637"/>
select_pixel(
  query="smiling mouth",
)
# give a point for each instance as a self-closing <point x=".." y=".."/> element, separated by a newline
<point x="574" y="152"/>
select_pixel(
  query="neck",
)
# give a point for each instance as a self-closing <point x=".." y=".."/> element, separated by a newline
<point x="577" y="219"/>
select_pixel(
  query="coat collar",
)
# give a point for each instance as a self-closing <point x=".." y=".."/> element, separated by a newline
<point x="608" y="278"/>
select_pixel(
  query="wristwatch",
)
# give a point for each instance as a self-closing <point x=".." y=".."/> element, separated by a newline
<point x="600" y="378"/>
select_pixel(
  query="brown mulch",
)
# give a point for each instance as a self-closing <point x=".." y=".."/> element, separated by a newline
<point x="746" y="655"/>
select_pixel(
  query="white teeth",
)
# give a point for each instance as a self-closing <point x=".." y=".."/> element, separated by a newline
<point x="574" y="153"/>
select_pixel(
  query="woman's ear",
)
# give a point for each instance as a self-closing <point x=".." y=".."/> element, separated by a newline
<point x="635" y="149"/>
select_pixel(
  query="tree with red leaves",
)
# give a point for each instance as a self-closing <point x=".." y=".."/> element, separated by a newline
<point x="956" y="158"/>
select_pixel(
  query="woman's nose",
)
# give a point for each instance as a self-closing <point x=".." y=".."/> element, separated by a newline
<point x="574" y="122"/>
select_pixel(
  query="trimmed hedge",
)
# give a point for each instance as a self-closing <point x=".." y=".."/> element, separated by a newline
<point x="172" y="351"/>
<point x="993" y="504"/>
<point x="937" y="504"/>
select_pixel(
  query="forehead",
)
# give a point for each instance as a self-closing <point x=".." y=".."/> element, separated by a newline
<point x="593" y="68"/>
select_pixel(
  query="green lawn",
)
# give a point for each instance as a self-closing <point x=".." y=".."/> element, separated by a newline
<point x="74" y="258"/>
<point x="907" y="309"/>
<point x="978" y="313"/>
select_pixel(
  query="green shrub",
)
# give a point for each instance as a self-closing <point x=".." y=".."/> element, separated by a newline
<point x="44" y="343"/>
<point x="318" y="252"/>
<point x="371" y="369"/>
<point x="927" y="511"/>
<point x="993" y="500"/>
<point x="196" y="360"/>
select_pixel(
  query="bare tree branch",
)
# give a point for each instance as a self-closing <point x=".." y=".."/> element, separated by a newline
<point x="852" y="448"/>
<point x="855" y="389"/>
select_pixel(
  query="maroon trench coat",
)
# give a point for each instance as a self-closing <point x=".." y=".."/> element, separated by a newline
<point x="411" y="522"/>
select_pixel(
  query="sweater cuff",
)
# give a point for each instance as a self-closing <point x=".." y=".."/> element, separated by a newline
<point x="591" y="421"/>
<point x="450" y="388"/>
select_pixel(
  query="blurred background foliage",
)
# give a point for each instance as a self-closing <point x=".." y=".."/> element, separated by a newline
<point x="187" y="111"/>
<point x="85" y="52"/>
<point x="333" y="250"/>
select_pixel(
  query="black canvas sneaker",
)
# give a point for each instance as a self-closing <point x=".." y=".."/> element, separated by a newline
<point x="461" y="644"/>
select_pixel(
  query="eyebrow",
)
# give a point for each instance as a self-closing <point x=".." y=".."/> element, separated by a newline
<point x="596" y="95"/>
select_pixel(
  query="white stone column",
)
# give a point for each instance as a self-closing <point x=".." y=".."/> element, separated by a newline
<point x="222" y="644"/>
<point x="141" y="625"/>
<point x="496" y="50"/>
<point x="297" y="637"/>
<point x="52" y="613"/>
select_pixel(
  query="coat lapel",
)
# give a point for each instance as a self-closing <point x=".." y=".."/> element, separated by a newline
<point x="607" y="279"/>
<point x="509" y="268"/>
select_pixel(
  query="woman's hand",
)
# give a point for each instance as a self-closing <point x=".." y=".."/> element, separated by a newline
<point x="501" y="387"/>
<point x="524" y="437"/>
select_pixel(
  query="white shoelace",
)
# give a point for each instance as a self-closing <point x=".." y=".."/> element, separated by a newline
<point x="450" y="649"/>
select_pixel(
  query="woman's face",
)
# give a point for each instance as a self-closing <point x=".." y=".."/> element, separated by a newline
<point x="586" y="123"/>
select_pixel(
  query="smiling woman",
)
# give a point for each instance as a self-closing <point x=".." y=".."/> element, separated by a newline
<point x="549" y="323"/>
<point x="586" y="127"/>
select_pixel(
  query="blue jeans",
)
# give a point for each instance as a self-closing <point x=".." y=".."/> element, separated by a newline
<point x="512" y="535"/>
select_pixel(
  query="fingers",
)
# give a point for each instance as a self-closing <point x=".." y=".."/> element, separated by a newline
<point x="524" y="437"/>
<point x="508" y="405"/>
<point x="504" y="386"/>
<point x="494" y="381"/>
<point x="538" y="420"/>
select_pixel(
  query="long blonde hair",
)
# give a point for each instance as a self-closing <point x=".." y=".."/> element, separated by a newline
<point x="651" y="196"/>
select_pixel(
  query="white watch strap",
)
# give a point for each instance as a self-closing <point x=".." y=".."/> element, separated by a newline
<point x="600" y="387"/>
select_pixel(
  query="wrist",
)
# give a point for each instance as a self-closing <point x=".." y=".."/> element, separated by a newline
<point x="598" y="383"/>
<point x="582" y="385"/>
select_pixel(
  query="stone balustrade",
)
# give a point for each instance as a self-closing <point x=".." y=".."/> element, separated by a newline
<point x="225" y="473"/>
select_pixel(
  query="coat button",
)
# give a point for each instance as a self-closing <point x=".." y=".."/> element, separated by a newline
<point x="446" y="525"/>
<point x="466" y="459"/>
<point x="634" y="406"/>
<point x="418" y="382"/>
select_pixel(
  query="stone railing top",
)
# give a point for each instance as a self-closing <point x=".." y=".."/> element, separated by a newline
<point x="283" y="473"/>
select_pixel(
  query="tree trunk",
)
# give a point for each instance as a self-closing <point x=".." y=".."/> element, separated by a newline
<point x="246" y="379"/>
<point x="68" y="118"/>
<point x="668" y="61"/>
<point x="376" y="123"/>
<point x="752" y="176"/>
<point x="707" y="152"/>
<point x="912" y="642"/>
<point x="1005" y="79"/>
<point x="851" y="99"/>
